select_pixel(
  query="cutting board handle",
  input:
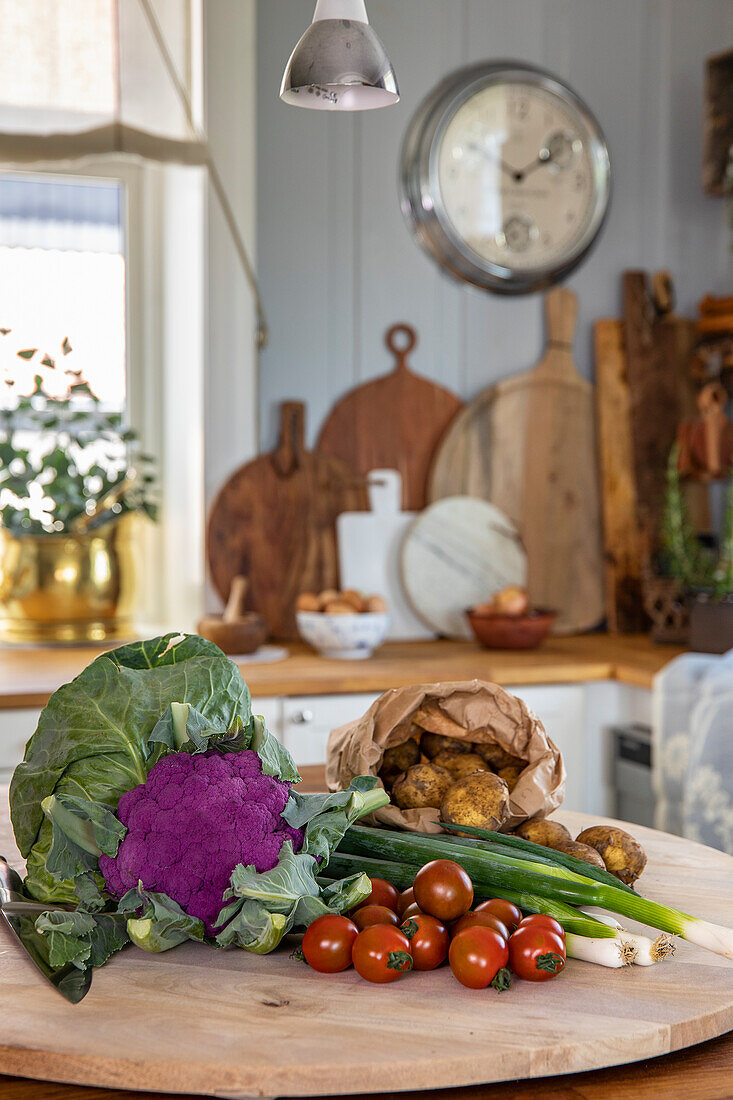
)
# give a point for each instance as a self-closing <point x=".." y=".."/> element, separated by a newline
<point x="385" y="491"/>
<point x="561" y="314"/>
<point x="401" y="353"/>
<point x="291" y="446"/>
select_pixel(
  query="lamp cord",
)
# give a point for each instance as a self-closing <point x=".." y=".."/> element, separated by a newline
<point x="211" y="167"/>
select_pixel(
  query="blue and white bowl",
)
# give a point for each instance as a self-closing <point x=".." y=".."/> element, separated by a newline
<point x="346" y="637"/>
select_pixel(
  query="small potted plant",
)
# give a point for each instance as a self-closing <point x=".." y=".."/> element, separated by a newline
<point x="704" y="572"/>
<point x="72" y="479"/>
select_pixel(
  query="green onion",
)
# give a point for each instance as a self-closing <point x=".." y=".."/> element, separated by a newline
<point x="507" y="872"/>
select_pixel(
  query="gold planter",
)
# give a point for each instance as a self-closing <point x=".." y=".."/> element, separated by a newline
<point x="65" y="588"/>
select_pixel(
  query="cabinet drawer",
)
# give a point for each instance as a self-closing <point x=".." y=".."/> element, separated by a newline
<point x="16" y="729"/>
<point x="308" y="720"/>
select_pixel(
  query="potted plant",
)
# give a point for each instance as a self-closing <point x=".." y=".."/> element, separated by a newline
<point x="704" y="572"/>
<point x="72" y="479"/>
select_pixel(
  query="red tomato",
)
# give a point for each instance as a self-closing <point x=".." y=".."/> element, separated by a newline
<point x="407" y="897"/>
<point x="429" y="941"/>
<point x="507" y="913"/>
<point x="411" y="911"/>
<point x="383" y="893"/>
<point x="381" y="953"/>
<point x="443" y="889"/>
<point x="542" y="920"/>
<point x="485" y="920"/>
<point x="536" y="954"/>
<point x="477" y="955"/>
<point x="374" y="914"/>
<point x="327" y="943"/>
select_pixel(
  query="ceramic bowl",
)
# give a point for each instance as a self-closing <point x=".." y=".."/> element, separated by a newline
<point x="347" y="637"/>
<point x="511" y="631"/>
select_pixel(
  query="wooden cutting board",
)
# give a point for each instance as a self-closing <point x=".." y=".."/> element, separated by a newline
<point x="544" y="474"/>
<point x="228" y="1023"/>
<point x="274" y="522"/>
<point x="393" y="422"/>
<point x="369" y="553"/>
<point x="457" y="554"/>
<point x="461" y="464"/>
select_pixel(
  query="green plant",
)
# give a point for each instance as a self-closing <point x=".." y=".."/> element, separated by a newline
<point x="62" y="456"/>
<point x="696" y="567"/>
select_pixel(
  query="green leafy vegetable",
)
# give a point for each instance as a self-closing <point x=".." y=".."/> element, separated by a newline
<point x="92" y="740"/>
<point x="162" y="924"/>
<point x="80" y="938"/>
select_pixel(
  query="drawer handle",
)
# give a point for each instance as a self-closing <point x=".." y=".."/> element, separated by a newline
<point x="302" y="717"/>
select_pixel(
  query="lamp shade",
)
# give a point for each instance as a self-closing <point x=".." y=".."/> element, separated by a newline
<point x="340" y="63"/>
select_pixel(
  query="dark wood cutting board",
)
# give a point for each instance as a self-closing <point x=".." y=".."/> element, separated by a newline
<point x="393" y="422"/>
<point x="274" y="523"/>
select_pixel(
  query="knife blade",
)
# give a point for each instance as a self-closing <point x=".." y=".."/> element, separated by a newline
<point x="19" y="916"/>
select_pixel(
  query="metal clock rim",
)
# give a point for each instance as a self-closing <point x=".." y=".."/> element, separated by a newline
<point x="419" y="193"/>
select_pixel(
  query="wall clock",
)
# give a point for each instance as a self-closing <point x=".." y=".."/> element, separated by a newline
<point x="505" y="177"/>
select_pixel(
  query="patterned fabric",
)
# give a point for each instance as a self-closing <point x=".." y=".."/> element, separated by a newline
<point x="693" y="748"/>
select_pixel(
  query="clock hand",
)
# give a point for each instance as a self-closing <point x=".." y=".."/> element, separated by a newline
<point x="543" y="157"/>
<point x="516" y="176"/>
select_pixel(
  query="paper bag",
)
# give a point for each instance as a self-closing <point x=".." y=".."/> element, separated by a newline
<point x="472" y="710"/>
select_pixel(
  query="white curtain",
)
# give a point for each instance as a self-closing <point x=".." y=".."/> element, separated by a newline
<point x="693" y="748"/>
<point x="81" y="78"/>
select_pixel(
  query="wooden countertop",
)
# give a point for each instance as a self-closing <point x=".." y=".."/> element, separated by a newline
<point x="29" y="675"/>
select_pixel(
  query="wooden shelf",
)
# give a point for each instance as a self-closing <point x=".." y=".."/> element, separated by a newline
<point x="29" y="676"/>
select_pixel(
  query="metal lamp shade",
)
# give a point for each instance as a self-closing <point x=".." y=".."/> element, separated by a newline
<point x="339" y="65"/>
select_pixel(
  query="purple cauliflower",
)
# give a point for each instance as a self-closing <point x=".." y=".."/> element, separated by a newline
<point x="192" y="821"/>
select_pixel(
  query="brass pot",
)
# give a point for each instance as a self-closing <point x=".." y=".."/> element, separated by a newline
<point x="68" y="588"/>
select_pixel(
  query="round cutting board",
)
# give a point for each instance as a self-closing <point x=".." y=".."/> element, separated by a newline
<point x="226" y="1023"/>
<point x="457" y="554"/>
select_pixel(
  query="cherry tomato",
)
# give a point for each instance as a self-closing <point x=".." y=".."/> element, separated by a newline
<point x="327" y="943"/>
<point x="381" y="953"/>
<point x="374" y="914"/>
<point x="542" y="920"/>
<point x="507" y="913"/>
<point x="429" y="941"/>
<point x="536" y="954"/>
<point x="485" y="920"/>
<point x="443" y="889"/>
<point x="477" y="955"/>
<point x="407" y="897"/>
<point x="383" y="893"/>
<point x="412" y="910"/>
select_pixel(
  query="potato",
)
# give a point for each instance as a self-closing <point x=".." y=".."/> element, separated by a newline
<point x="339" y="607"/>
<point x="460" y="764"/>
<point x="497" y="757"/>
<point x="376" y="605"/>
<point x="512" y="600"/>
<point x="510" y="774"/>
<point x="433" y="743"/>
<point x="481" y="799"/>
<point x="399" y="758"/>
<point x="328" y="595"/>
<point x="307" y="601"/>
<point x="623" y="856"/>
<point x="422" y="785"/>
<point x="549" y="833"/>
<point x="581" y="851"/>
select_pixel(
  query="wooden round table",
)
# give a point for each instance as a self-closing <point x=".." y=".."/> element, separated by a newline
<point x="200" y="1021"/>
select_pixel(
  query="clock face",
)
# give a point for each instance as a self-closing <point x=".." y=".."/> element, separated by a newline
<point x="505" y="178"/>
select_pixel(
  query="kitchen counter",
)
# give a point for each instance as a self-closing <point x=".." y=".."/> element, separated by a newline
<point x="28" y="676"/>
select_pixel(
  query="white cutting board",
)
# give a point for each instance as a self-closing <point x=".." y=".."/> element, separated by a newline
<point x="369" y="553"/>
<point x="457" y="554"/>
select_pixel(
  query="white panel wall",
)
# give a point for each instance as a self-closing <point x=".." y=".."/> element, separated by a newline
<point x="336" y="262"/>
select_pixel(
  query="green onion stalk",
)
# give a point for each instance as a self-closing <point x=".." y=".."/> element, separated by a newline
<point x="497" y="870"/>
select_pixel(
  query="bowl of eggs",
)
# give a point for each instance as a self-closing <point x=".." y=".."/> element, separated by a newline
<point x="347" y="625"/>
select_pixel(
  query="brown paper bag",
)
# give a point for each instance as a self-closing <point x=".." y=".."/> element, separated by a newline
<point x="471" y="710"/>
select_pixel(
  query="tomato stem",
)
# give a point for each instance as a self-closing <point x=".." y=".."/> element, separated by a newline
<point x="399" y="960"/>
<point x="409" y="928"/>
<point x="502" y="980"/>
<point x="551" y="962"/>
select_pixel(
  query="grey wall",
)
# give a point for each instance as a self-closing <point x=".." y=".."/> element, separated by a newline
<point x="336" y="261"/>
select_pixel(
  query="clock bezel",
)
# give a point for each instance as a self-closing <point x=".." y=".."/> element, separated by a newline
<point x="420" y="193"/>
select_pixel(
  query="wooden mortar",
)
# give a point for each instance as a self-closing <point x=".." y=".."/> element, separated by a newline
<point x="236" y="631"/>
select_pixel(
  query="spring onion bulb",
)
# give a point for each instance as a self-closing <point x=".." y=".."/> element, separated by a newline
<point x="615" y="952"/>
<point x="648" y="951"/>
<point x="496" y="871"/>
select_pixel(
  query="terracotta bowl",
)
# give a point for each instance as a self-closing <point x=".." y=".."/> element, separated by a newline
<point x="511" y="631"/>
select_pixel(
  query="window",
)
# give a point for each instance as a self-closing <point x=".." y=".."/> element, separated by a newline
<point x="62" y="285"/>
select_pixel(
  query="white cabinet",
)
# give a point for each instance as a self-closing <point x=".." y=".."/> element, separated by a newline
<point x="16" y="728"/>
<point x="561" y="709"/>
<point x="308" y="720"/>
<point x="271" y="709"/>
